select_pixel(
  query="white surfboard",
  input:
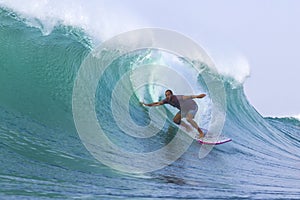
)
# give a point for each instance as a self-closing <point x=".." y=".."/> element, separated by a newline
<point x="207" y="139"/>
<point x="212" y="141"/>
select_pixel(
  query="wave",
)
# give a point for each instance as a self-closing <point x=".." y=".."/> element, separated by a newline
<point x="39" y="66"/>
<point x="38" y="71"/>
<point x="96" y="18"/>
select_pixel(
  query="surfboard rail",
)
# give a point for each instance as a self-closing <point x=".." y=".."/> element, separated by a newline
<point x="213" y="142"/>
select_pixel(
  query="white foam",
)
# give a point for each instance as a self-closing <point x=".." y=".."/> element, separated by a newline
<point x="288" y="116"/>
<point x="297" y="117"/>
<point x="100" y="19"/>
<point x="233" y="65"/>
<point x="103" y="20"/>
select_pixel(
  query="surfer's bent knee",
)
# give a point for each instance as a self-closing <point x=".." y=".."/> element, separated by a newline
<point x="177" y="121"/>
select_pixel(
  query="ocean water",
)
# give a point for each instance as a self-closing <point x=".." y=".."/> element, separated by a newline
<point x="42" y="156"/>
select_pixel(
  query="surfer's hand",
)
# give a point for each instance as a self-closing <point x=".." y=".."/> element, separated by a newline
<point x="201" y="96"/>
<point x="142" y="103"/>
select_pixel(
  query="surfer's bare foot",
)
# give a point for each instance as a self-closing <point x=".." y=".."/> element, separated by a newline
<point x="201" y="134"/>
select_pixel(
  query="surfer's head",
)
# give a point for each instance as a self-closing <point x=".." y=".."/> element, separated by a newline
<point x="168" y="94"/>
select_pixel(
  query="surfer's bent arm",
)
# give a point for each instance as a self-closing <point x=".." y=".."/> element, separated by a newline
<point x="153" y="104"/>
<point x="193" y="96"/>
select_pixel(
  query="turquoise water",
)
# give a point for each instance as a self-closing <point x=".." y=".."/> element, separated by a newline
<point x="42" y="156"/>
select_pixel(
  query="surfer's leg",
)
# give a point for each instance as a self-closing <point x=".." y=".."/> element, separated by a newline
<point x="185" y="125"/>
<point x="190" y="118"/>
<point x="177" y="120"/>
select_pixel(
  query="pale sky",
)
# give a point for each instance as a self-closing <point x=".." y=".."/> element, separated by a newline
<point x="265" y="32"/>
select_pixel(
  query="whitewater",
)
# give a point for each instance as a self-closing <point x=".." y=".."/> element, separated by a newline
<point x="43" y="155"/>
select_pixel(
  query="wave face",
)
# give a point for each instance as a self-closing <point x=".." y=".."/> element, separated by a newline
<point x="42" y="155"/>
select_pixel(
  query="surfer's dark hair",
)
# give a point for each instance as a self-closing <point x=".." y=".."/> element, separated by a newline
<point x="169" y="91"/>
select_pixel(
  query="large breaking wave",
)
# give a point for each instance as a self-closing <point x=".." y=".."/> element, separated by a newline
<point x="42" y="155"/>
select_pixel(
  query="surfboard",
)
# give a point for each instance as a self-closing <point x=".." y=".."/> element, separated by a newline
<point x="213" y="141"/>
<point x="207" y="139"/>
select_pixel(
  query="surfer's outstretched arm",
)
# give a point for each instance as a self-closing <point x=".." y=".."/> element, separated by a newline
<point x="185" y="97"/>
<point x="152" y="104"/>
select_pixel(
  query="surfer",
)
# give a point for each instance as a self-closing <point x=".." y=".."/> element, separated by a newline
<point x="187" y="108"/>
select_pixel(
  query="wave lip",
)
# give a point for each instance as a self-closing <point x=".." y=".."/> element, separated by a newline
<point x="235" y="68"/>
<point x="96" y="18"/>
